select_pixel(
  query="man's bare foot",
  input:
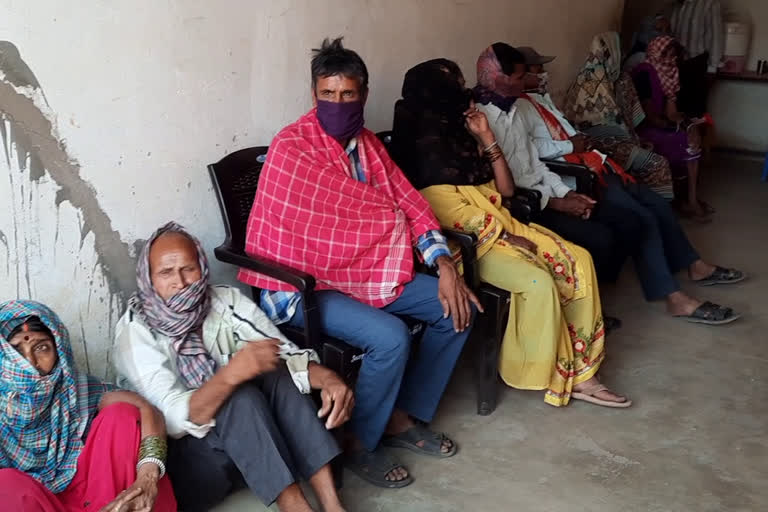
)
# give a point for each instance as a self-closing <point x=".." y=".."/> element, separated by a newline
<point x="699" y="270"/>
<point x="694" y="212"/>
<point x="397" y="474"/>
<point x="606" y="395"/>
<point x="698" y="209"/>
<point x="323" y="484"/>
<point x="399" y="422"/>
<point x="706" y="207"/>
<point x="292" y="500"/>
<point x="680" y="304"/>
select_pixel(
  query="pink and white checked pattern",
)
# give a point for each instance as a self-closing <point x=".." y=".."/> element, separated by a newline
<point x="311" y="214"/>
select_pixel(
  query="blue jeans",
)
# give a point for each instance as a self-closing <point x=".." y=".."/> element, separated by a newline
<point x="663" y="248"/>
<point x="387" y="379"/>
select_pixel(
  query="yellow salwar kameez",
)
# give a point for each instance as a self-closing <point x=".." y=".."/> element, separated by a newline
<point x="555" y="337"/>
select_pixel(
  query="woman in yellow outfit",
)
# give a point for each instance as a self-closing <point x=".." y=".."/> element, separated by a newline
<point x="555" y="336"/>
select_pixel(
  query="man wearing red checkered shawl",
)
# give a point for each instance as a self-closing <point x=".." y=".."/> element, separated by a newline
<point x="331" y="203"/>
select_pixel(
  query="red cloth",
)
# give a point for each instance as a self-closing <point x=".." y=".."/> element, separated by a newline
<point x="592" y="159"/>
<point x="105" y="468"/>
<point x="311" y="214"/>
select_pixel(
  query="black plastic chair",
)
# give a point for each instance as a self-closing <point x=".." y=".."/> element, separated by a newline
<point x="585" y="179"/>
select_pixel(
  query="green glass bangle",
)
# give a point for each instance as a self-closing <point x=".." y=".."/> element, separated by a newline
<point x="155" y="447"/>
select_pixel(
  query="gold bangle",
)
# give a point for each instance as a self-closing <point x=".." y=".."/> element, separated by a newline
<point x="494" y="154"/>
<point x="154" y="447"/>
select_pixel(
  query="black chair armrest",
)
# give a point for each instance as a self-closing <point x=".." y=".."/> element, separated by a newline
<point x="467" y="242"/>
<point x="531" y="199"/>
<point x="528" y="194"/>
<point x="302" y="281"/>
<point x="566" y="168"/>
<point x="520" y="207"/>
<point x="585" y="179"/>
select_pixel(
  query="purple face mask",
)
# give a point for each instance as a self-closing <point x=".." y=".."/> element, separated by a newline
<point x="341" y="121"/>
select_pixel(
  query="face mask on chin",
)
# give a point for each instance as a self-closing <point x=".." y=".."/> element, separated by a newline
<point x="541" y="81"/>
<point x="343" y="120"/>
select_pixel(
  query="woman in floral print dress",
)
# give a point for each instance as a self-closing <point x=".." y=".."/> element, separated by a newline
<point x="555" y="338"/>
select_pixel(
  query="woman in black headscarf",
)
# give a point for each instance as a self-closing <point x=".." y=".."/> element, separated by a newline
<point x="430" y="136"/>
<point x="555" y="335"/>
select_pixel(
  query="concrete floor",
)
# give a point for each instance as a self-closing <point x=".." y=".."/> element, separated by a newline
<point x="694" y="440"/>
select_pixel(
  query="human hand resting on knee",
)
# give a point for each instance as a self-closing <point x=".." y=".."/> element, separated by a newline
<point x="519" y="241"/>
<point x="338" y="399"/>
<point x="574" y="204"/>
<point x="139" y="497"/>
<point x="581" y="143"/>
<point x="455" y="295"/>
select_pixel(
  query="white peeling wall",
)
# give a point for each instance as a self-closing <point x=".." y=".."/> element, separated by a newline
<point x="143" y="94"/>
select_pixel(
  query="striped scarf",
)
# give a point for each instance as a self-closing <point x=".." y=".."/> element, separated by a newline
<point x="43" y="419"/>
<point x="665" y="66"/>
<point x="181" y="317"/>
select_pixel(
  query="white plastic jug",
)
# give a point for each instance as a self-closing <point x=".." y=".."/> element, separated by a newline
<point x="737" y="38"/>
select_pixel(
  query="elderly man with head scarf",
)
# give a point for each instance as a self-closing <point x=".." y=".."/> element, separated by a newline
<point x="232" y="387"/>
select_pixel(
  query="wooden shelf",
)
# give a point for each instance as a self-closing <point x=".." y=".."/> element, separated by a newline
<point x="745" y="76"/>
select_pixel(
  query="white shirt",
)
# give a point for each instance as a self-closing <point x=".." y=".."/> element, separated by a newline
<point x="537" y="128"/>
<point x="698" y="25"/>
<point x="146" y="361"/>
<point x="539" y="133"/>
<point x="521" y="154"/>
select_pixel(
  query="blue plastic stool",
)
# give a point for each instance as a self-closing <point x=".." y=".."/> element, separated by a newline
<point x="765" y="170"/>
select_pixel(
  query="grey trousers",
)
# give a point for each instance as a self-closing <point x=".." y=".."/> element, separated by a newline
<point x="267" y="436"/>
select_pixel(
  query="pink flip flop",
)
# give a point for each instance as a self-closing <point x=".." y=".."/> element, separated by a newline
<point x="588" y="395"/>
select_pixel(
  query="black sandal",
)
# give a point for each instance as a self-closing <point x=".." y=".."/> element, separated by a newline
<point x="611" y="323"/>
<point x="711" y="314"/>
<point x="432" y="441"/>
<point x="373" y="467"/>
<point x="708" y="208"/>
<point x="722" y="275"/>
